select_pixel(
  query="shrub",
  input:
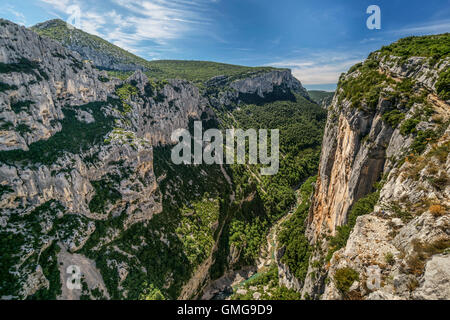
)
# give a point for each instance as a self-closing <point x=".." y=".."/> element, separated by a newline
<point x="437" y="210"/>
<point x="389" y="258"/>
<point x="443" y="85"/>
<point x="409" y="126"/>
<point x="4" y="87"/>
<point x="344" y="278"/>
<point x="394" y="117"/>
<point x="440" y="182"/>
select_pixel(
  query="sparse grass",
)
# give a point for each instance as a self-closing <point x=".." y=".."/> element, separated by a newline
<point x="422" y="252"/>
<point x="440" y="182"/>
<point x="389" y="258"/>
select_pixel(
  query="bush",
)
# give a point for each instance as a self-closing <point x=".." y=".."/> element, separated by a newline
<point x="443" y="85"/>
<point x="409" y="126"/>
<point x="437" y="210"/>
<point x="344" y="278"/>
<point x="389" y="258"/>
<point x="394" y="117"/>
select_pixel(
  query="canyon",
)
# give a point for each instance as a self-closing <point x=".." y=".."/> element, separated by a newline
<point x="86" y="177"/>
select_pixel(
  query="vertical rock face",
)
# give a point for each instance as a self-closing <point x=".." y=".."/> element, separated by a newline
<point x="400" y="139"/>
<point x="45" y="77"/>
<point x="349" y="167"/>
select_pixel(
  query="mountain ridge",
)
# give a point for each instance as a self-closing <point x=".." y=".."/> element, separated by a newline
<point x="105" y="55"/>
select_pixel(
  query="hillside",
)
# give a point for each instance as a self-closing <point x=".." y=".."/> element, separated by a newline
<point x="322" y="98"/>
<point x="107" y="56"/>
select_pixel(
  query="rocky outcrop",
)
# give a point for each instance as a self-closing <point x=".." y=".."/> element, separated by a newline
<point x="42" y="77"/>
<point x="348" y="169"/>
<point x="101" y="53"/>
<point x="255" y="88"/>
<point x="396" y="250"/>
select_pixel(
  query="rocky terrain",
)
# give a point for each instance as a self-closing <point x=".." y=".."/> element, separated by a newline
<point x="101" y="53"/>
<point x="86" y="177"/>
<point x="379" y="221"/>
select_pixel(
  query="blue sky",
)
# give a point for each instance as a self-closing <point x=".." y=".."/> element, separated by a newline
<point x="317" y="39"/>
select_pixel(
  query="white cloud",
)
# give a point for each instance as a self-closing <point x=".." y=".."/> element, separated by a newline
<point x="434" y="27"/>
<point x="320" y="68"/>
<point x="20" y="17"/>
<point x="130" y="22"/>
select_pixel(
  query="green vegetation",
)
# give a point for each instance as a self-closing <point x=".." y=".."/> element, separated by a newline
<point x="344" y="279"/>
<point x="361" y="207"/>
<point x="19" y="106"/>
<point x="196" y="229"/>
<point x="364" y="90"/>
<point x="196" y="71"/>
<point x="268" y="280"/>
<point x="292" y="236"/>
<point x="319" y="96"/>
<point x="443" y="85"/>
<point x="394" y="117"/>
<point x="435" y="46"/>
<point x="31" y="235"/>
<point x="409" y="126"/>
<point x="389" y="258"/>
<point x="22" y="129"/>
<point x="151" y="293"/>
<point x="167" y="246"/>
<point x="105" y="193"/>
<point x="5" y="87"/>
<point x="268" y="198"/>
<point x="125" y="93"/>
<point x="75" y="137"/>
<point x="24" y="66"/>
<point x="5" y="190"/>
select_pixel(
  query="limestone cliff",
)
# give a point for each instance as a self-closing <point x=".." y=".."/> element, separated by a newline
<point x="384" y="169"/>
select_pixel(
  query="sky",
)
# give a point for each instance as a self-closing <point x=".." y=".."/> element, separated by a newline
<point x="317" y="39"/>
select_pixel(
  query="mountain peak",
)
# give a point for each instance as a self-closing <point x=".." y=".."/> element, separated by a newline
<point x="50" y="24"/>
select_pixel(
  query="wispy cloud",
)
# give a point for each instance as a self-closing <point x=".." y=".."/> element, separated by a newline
<point x="129" y="23"/>
<point x="321" y="68"/>
<point x="20" y="17"/>
<point x="433" y="27"/>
